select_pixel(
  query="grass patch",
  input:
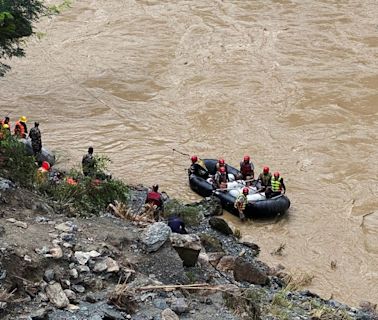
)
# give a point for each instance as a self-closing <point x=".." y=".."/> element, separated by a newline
<point x="245" y="304"/>
<point x="297" y="281"/>
<point x="327" y="313"/>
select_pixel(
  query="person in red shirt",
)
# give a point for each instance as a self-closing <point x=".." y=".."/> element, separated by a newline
<point x="154" y="199"/>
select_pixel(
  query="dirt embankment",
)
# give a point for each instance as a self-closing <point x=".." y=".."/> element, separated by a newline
<point x="58" y="267"/>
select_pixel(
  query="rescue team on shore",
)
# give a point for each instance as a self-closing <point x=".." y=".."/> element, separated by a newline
<point x="45" y="173"/>
<point x="271" y="185"/>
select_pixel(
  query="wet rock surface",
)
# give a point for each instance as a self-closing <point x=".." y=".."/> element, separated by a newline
<point x="107" y="268"/>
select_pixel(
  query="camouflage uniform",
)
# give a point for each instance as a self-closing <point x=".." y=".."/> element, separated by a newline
<point x="88" y="164"/>
<point x="36" y="139"/>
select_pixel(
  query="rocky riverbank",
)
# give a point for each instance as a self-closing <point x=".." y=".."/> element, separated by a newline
<point x="64" y="266"/>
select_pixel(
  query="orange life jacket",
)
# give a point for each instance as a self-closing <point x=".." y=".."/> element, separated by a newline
<point x="19" y="130"/>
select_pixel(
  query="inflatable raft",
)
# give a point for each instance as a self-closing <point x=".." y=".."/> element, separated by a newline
<point x="45" y="154"/>
<point x="258" y="205"/>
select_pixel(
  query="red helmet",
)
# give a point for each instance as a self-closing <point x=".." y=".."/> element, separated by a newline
<point x="276" y="174"/>
<point x="194" y="159"/>
<point x="222" y="170"/>
<point x="266" y="170"/>
<point x="245" y="190"/>
<point x="246" y="158"/>
<point x="221" y="161"/>
<point x="46" y="165"/>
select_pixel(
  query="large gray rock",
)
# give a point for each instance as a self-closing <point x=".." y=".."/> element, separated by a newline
<point x="220" y="225"/>
<point x="168" y="314"/>
<point x="188" y="246"/>
<point x="250" y="272"/>
<point x="155" y="236"/>
<point x="6" y="184"/>
<point x="180" y="305"/>
<point x="57" y="296"/>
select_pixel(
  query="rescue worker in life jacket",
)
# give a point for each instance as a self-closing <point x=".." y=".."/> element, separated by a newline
<point x="5" y="121"/>
<point x="198" y="168"/>
<point x="221" y="163"/>
<point x="247" y="168"/>
<point x="221" y="178"/>
<point x="277" y="185"/>
<point x="20" y="128"/>
<point x="264" y="179"/>
<point x="241" y="203"/>
<point x="154" y="198"/>
<point x="4" y="131"/>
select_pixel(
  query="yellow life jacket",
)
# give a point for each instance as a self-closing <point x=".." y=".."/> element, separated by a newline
<point x="276" y="184"/>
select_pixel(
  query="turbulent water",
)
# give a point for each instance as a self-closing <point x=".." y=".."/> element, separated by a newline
<point x="292" y="83"/>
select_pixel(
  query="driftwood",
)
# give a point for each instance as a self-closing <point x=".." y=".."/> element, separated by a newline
<point x="120" y="210"/>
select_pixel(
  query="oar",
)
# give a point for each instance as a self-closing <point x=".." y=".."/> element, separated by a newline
<point x="182" y="153"/>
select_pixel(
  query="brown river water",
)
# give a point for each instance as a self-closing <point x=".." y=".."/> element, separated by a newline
<point x="293" y="83"/>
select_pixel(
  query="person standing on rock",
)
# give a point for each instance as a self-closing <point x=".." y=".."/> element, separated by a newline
<point x="241" y="203"/>
<point x="154" y="199"/>
<point x="89" y="163"/>
<point x="36" y="139"/>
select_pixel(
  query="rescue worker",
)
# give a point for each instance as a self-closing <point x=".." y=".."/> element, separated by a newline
<point x="277" y="185"/>
<point x="43" y="173"/>
<point x="89" y="163"/>
<point x="4" y="131"/>
<point x="247" y="168"/>
<point x="198" y="168"/>
<point x="154" y="198"/>
<point x="264" y="179"/>
<point x="5" y="121"/>
<point x="221" y="178"/>
<point x="36" y="139"/>
<point x="177" y="225"/>
<point x="241" y="203"/>
<point x="20" y="128"/>
<point x="221" y="163"/>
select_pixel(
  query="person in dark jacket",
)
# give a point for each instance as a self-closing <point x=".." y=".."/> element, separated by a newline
<point x="177" y="225"/>
<point x="36" y="139"/>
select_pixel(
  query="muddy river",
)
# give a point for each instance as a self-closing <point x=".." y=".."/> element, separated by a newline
<point x="293" y="83"/>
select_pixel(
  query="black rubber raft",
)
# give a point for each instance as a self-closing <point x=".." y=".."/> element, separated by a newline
<point x="267" y="208"/>
<point x="45" y="154"/>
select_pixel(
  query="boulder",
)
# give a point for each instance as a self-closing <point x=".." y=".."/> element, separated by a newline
<point x="220" y="225"/>
<point x="211" y="243"/>
<point x="155" y="236"/>
<point x="57" y="296"/>
<point x="6" y="184"/>
<point x="168" y="314"/>
<point x="211" y="206"/>
<point x="180" y="305"/>
<point x="248" y="271"/>
<point x="188" y="246"/>
<point x="226" y="263"/>
<point x="214" y="257"/>
<point x="83" y="257"/>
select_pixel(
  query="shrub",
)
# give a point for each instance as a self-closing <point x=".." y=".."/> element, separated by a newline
<point x="16" y="165"/>
<point x="190" y="215"/>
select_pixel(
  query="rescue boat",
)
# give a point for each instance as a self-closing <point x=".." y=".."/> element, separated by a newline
<point x="45" y="154"/>
<point x="258" y="205"/>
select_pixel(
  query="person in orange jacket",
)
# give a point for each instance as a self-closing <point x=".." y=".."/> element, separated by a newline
<point x="20" y="128"/>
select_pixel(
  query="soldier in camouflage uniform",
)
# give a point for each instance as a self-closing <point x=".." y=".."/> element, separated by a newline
<point x="88" y="163"/>
<point x="36" y="139"/>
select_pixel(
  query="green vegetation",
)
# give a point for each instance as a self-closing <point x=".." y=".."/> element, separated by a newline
<point x="245" y="303"/>
<point x="16" y="18"/>
<point x="15" y="164"/>
<point x="190" y="215"/>
<point x="58" y="8"/>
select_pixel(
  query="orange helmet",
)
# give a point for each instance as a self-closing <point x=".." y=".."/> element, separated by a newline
<point x="276" y="174"/>
<point x="266" y="170"/>
<point x="194" y="159"/>
<point x="245" y="190"/>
